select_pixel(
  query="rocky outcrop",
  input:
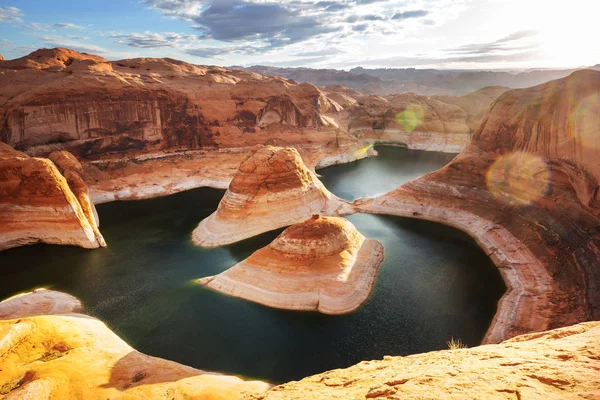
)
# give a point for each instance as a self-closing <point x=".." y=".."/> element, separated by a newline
<point x="559" y="364"/>
<point x="322" y="264"/>
<point x="58" y="99"/>
<point x="72" y="170"/>
<point x="436" y="123"/>
<point x="39" y="302"/>
<point x="39" y="204"/>
<point x="526" y="189"/>
<point x="73" y="356"/>
<point x="271" y="189"/>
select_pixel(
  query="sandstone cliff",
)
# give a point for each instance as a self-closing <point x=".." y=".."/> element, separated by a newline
<point x="435" y="123"/>
<point x="526" y="189"/>
<point x="39" y="204"/>
<point x="55" y="99"/>
<point x="271" y="189"/>
<point x="560" y="364"/>
<point x="49" y="351"/>
<point x="148" y="127"/>
<point x="322" y="264"/>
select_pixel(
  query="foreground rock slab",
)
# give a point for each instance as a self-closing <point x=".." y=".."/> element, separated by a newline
<point x="38" y="203"/>
<point x="74" y="356"/>
<point x="271" y="189"/>
<point x="559" y="364"/>
<point x="322" y="264"/>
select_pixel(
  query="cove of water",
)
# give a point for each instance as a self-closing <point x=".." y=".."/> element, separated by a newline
<point x="434" y="284"/>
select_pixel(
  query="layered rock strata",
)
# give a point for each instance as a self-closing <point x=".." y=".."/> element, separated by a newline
<point x="271" y="189"/>
<point x="560" y="364"/>
<point x="50" y="352"/>
<point x="434" y="123"/>
<point x="526" y="189"/>
<point x="161" y="173"/>
<point x="322" y="264"/>
<point x="39" y="204"/>
<point x="59" y="99"/>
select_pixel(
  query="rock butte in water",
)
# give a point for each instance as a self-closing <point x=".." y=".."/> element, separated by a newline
<point x="559" y="364"/>
<point x="39" y="204"/>
<point x="272" y="189"/>
<point x="322" y="264"/>
<point x="526" y="189"/>
<point x="50" y="352"/>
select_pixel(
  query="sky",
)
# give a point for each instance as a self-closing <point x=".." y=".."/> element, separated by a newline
<point x="341" y="34"/>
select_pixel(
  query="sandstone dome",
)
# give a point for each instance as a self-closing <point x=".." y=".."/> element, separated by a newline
<point x="271" y="189"/>
<point x="322" y="264"/>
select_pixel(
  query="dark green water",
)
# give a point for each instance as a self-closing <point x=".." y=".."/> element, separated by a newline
<point x="435" y="283"/>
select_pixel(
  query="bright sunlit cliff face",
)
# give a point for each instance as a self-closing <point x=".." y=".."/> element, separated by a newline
<point x="450" y="34"/>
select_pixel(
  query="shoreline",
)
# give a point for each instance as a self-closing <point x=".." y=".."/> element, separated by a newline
<point x="516" y="263"/>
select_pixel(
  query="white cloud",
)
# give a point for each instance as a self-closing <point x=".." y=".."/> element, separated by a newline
<point x="10" y="14"/>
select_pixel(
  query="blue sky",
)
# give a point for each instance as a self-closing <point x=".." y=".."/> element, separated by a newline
<point x="484" y="34"/>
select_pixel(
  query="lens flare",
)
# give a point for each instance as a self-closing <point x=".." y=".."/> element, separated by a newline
<point x="519" y="177"/>
<point x="362" y="152"/>
<point x="585" y="122"/>
<point x="411" y="117"/>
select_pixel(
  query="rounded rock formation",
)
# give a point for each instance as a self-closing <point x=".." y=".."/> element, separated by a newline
<point x="272" y="189"/>
<point x="39" y="204"/>
<point x="322" y="264"/>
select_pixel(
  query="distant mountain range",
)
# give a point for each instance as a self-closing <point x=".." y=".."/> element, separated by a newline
<point x="385" y="81"/>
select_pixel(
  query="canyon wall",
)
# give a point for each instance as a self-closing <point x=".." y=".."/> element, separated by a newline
<point x="526" y="189"/>
<point x="433" y="123"/>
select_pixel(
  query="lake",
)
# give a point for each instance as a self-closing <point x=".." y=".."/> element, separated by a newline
<point x="434" y="284"/>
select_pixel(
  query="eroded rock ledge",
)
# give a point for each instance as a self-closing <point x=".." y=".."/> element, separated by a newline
<point x="271" y="189"/>
<point x="49" y="351"/>
<point x="559" y="364"/>
<point x="322" y="264"/>
<point x="526" y="189"/>
<point x="40" y="204"/>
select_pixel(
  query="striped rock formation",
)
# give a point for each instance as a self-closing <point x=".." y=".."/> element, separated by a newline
<point x="272" y="189"/>
<point x="39" y="204"/>
<point x="322" y="264"/>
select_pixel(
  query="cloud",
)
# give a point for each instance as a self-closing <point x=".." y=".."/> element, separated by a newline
<point x="273" y="23"/>
<point x="516" y="36"/>
<point x="406" y="62"/>
<point x="54" y="41"/>
<point x="410" y="14"/>
<point x="269" y="23"/>
<point x="151" y="40"/>
<point x="10" y="14"/>
<point x="505" y="44"/>
<point x="323" y="52"/>
<point x="208" y="52"/>
<point x="68" y="25"/>
<point x="36" y="26"/>
<point x="218" y="52"/>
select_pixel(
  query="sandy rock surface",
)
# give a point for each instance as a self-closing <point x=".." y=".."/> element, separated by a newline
<point x="322" y="264"/>
<point x="558" y="364"/>
<point x="74" y="356"/>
